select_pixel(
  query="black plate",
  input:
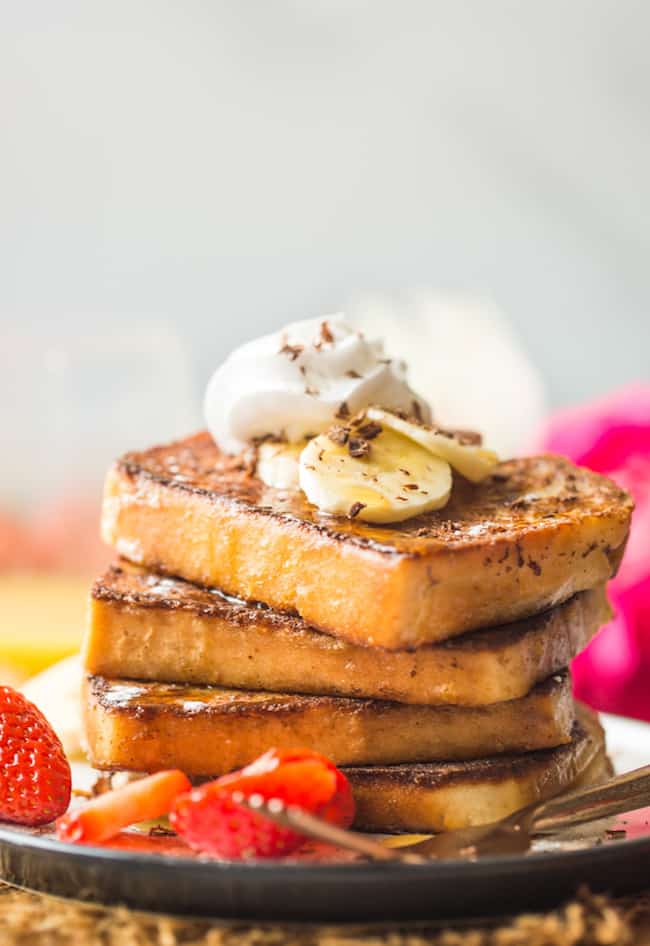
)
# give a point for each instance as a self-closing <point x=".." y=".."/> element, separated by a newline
<point x="344" y="892"/>
<point x="356" y="892"/>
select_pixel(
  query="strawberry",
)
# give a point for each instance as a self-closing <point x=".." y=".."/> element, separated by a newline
<point x="143" y="800"/>
<point x="35" y="779"/>
<point x="210" y="819"/>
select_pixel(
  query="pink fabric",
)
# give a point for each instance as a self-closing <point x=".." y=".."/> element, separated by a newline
<point x="612" y="436"/>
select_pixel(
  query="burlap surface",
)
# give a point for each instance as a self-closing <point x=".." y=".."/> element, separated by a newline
<point x="33" y="920"/>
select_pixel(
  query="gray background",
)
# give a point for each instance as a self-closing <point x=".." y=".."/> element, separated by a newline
<point x="226" y="166"/>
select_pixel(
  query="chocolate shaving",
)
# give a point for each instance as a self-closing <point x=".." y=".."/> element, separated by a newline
<point x="402" y="470"/>
<point x="411" y="486"/>
<point x="268" y="438"/>
<point x="355" y="509"/>
<point x="352" y="374"/>
<point x="466" y="438"/>
<point x="417" y="411"/>
<point x="358" y="447"/>
<point x="326" y="332"/>
<point x="291" y="350"/>
<point x="370" y="430"/>
<point x="160" y="831"/>
<point x="339" y="434"/>
<point x="314" y="392"/>
<point x="344" y="411"/>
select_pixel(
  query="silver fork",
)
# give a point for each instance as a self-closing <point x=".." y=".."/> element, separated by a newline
<point x="511" y="835"/>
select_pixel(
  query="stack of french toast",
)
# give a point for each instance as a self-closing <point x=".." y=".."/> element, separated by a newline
<point x="428" y="657"/>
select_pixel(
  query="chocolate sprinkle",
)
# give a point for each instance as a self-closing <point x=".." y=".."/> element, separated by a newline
<point x="370" y="430"/>
<point x="358" y="447"/>
<point x="466" y="438"/>
<point x="291" y="350"/>
<point x="326" y="332"/>
<point x="355" y="509"/>
<point x="338" y="434"/>
<point x="160" y="831"/>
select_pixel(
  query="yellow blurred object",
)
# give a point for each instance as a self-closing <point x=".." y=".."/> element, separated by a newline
<point x="401" y="840"/>
<point x="41" y="621"/>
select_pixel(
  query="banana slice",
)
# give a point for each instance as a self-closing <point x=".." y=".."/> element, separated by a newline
<point x="400" y="470"/>
<point x="387" y="479"/>
<point x="470" y="460"/>
<point x="277" y="464"/>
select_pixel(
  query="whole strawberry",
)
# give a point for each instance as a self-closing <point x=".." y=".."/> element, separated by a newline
<point x="35" y="780"/>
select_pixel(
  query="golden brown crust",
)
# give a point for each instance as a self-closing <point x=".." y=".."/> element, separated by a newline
<point x="532" y="535"/>
<point x="491" y="769"/>
<point x="519" y="496"/>
<point x="131" y="586"/>
<point x="445" y="796"/>
<point x="210" y="730"/>
<point x="147" y="627"/>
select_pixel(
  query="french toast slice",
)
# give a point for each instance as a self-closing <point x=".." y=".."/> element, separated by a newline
<point x="532" y="535"/>
<point x="146" y="627"/>
<point x="445" y="796"/>
<point x="145" y="727"/>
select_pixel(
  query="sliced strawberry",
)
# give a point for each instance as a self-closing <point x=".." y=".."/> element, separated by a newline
<point x="35" y="780"/>
<point x="210" y="819"/>
<point x="103" y="817"/>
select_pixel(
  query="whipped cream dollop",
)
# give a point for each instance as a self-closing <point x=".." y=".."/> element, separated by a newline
<point x="294" y="383"/>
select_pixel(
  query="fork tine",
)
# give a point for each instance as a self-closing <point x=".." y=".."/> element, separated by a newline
<point x="291" y="816"/>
